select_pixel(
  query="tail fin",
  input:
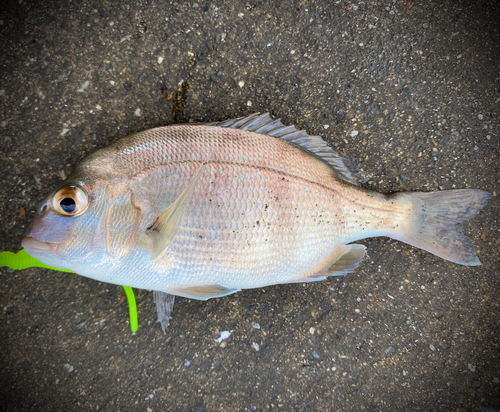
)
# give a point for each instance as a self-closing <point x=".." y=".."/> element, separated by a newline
<point x="435" y="216"/>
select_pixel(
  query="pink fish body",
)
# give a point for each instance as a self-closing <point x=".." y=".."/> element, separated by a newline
<point x="203" y="211"/>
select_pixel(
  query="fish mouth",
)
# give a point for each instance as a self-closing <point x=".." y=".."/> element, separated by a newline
<point x="37" y="245"/>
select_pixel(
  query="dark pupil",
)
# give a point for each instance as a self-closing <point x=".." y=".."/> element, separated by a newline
<point x="68" y="205"/>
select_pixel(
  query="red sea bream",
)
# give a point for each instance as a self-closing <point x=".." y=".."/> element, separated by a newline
<point x="205" y="210"/>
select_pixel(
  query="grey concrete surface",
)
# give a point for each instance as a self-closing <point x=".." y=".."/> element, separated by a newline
<point x="410" y="89"/>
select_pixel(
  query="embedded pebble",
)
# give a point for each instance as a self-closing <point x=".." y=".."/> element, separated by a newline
<point x="255" y="346"/>
<point x="125" y="38"/>
<point x="223" y="335"/>
<point x="83" y="87"/>
<point x="389" y="350"/>
<point x="354" y="133"/>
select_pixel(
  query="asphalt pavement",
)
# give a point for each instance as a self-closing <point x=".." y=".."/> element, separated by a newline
<point x="409" y="89"/>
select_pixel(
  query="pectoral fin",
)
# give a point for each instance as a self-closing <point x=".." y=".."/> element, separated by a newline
<point x="203" y="292"/>
<point x="165" y="228"/>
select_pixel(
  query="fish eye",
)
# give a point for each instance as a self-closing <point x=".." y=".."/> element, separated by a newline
<point x="68" y="204"/>
<point x="70" y="201"/>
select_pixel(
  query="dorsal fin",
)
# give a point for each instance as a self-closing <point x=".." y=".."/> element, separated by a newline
<point x="344" y="168"/>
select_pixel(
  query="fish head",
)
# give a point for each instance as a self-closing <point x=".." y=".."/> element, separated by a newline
<point x="69" y="227"/>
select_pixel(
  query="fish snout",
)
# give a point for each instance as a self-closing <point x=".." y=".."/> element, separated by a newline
<point x="31" y="244"/>
<point x="35" y="232"/>
<point x="30" y="230"/>
<point x="48" y="227"/>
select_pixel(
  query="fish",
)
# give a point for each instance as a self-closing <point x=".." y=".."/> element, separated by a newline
<point x="206" y="210"/>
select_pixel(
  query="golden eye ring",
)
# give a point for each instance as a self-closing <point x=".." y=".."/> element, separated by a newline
<point x="70" y="201"/>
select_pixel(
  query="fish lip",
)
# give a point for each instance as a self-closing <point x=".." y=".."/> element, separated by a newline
<point x="32" y="244"/>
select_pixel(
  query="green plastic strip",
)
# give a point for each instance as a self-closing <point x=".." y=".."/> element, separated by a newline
<point x="21" y="260"/>
<point x="132" y="308"/>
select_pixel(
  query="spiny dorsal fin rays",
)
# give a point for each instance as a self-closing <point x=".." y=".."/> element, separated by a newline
<point x="343" y="168"/>
<point x="165" y="228"/>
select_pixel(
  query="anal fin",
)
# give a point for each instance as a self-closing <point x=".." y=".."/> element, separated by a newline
<point x="349" y="259"/>
<point x="343" y="259"/>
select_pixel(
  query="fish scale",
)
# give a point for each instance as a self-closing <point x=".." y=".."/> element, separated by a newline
<point x="185" y="143"/>
<point x="235" y="236"/>
<point x="275" y="187"/>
